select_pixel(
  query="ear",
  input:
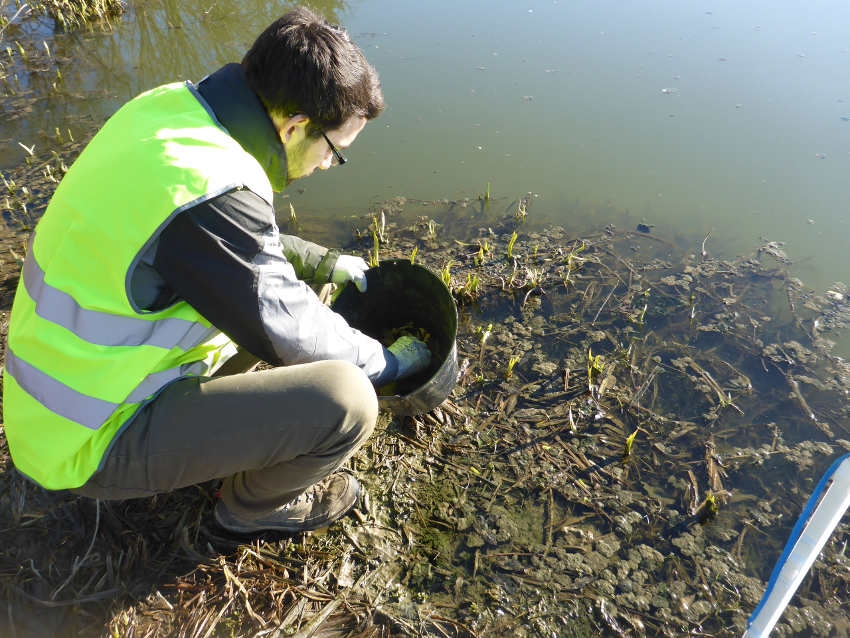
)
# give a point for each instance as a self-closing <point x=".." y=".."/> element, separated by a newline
<point x="293" y="126"/>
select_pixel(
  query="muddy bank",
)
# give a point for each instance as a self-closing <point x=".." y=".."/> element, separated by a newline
<point x="635" y="429"/>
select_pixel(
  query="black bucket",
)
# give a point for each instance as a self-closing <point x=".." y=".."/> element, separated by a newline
<point x="398" y="295"/>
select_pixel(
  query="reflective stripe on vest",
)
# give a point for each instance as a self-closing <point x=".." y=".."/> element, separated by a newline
<point x="89" y="412"/>
<point x="102" y="329"/>
<point x="106" y="329"/>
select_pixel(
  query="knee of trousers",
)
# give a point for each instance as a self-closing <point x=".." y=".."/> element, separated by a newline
<point x="355" y="396"/>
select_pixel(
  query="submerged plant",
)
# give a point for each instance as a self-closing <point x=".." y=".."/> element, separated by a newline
<point x="574" y="262"/>
<point x="595" y="365"/>
<point x="72" y="14"/>
<point x="533" y="277"/>
<point x="708" y="509"/>
<point x="521" y="210"/>
<point x="5" y="22"/>
<point x="432" y="229"/>
<point x="10" y="185"/>
<point x="630" y="441"/>
<point x="484" y="335"/>
<point x="639" y="316"/>
<point x="509" y="372"/>
<point x="379" y="228"/>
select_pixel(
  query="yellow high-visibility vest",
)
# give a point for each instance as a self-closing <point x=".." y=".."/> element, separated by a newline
<point x="81" y="358"/>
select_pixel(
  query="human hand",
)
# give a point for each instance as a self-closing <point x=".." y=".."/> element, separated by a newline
<point x="350" y="268"/>
<point x="412" y="354"/>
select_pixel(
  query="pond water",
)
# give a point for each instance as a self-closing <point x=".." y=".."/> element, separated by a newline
<point x="717" y="117"/>
<point x="717" y="125"/>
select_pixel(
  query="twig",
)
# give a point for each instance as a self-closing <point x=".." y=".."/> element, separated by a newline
<point x="78" y="564"/>
<point x="702" y="251"/>
<point x="550" y="515"/>
<point x="232" y="578"/>
<point x="798" y="395"/>
<point x="24" y="7"/>
<point x="91" y="598"/>
<point x="598" y="312"/>
<point x="454" y="623"/>
<point x="386" y="571"/>
<point x="218" y="616"/>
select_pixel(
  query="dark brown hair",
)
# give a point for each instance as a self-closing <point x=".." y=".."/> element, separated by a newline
<point x="303" y="64"/>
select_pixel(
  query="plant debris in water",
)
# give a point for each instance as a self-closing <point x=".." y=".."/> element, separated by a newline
<point x="634" y="431"/>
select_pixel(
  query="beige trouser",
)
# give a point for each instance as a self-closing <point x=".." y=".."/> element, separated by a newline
<point x="268" y="434"/>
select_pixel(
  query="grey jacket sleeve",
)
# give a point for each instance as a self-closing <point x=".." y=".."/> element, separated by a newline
<point x="312" y="263"/>
<point x="227" y="259"/>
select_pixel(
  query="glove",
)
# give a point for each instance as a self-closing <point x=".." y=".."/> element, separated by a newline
<point x="412" y="354"/>
<point x="350" y="268"/>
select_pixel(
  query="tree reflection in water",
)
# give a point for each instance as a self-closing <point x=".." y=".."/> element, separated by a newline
<point x="71" y="82"/>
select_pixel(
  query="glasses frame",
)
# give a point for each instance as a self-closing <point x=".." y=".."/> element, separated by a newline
<point x="339" y="157"/>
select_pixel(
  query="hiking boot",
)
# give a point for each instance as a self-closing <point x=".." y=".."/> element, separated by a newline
<point x="317" y="506"/>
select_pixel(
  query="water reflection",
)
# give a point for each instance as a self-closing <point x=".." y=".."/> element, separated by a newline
<point x="76" y="80"/>
<point x="730" y="119"/>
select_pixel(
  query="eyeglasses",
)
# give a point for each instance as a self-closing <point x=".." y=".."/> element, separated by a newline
<point x="339" y="157"/>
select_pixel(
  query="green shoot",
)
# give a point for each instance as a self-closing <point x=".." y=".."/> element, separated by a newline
<point x="446" y="274"/>
<point x="630" y="441"/>
<point x="483" y="249"/>
<point x="374" y="259"/>
<point x="485" y="196"/>
<point x="595" y="365"/>
<point x="638" y="317"/>
<point x="534" y="277"/>
<point x="511" y="363"/>
<point x="511" y="243"/>
<point x="380" y="228"/>
<point x="413" y="254"/>
<point x="485" y="334"/>
<point x="470" y="288"/>
<point x="708" y="508"/>
<point x="573" y="263"/>
<point x="432" y="229"/>
<point x="513" y="277"/>
<point x="9" y="184"/>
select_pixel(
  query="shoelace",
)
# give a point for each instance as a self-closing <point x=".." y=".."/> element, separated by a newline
<point x="307" y="496"/>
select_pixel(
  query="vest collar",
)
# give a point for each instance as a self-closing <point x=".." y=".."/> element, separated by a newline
<point x="242" y="114"/>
